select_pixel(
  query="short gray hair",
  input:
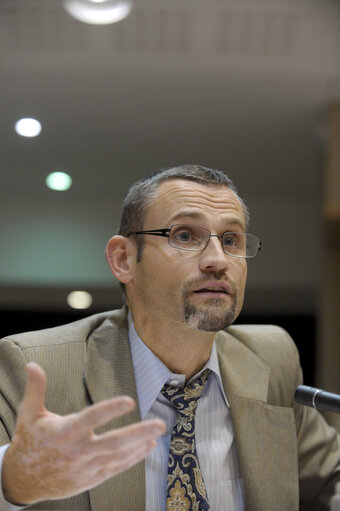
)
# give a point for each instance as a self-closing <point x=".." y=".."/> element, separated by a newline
<point x="142" y="193"/>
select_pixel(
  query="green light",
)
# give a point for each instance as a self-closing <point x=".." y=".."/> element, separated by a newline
<point x="59" y="181"/>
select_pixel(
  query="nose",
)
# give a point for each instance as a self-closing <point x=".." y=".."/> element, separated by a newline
<point x="213" y="258"/>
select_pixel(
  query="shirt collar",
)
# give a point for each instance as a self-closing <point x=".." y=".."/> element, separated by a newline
<point x="151" y="374"/>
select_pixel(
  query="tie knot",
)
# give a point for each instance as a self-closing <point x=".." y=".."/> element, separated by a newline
<point x="185" y="399"/>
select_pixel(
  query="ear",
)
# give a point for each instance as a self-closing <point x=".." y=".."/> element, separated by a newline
<point x="119" y="254"/>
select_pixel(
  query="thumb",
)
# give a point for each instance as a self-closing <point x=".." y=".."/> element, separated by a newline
<point x="33" y="401"/>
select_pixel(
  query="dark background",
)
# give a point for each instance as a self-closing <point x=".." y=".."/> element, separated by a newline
<point x="302" y="329"/>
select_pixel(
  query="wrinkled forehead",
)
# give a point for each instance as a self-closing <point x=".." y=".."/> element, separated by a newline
<point x="177" y="196"/>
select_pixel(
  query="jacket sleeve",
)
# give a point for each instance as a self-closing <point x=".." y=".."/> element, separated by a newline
<point x="12" y="384"/>
<point x="14" y="355"/>
<point x="12" y="381"/>
<point x="319" y="457"/>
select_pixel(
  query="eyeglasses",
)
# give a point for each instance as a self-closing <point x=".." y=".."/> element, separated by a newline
<point x="193" y="237"/>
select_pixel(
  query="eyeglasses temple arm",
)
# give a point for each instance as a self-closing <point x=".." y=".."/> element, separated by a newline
<point x="155" y="232"/>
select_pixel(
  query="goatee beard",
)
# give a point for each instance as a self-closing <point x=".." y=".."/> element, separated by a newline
<point x="210" y="317"/>
<point x="201" y="319"/>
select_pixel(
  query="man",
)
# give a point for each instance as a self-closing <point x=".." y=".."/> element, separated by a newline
<point x="181" y="258"/>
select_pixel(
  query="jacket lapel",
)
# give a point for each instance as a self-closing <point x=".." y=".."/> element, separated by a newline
<point x="265" y="435"/>
<point x="109" y="372"/>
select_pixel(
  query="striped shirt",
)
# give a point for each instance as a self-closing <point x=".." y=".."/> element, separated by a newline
<point x="214" y="433"/>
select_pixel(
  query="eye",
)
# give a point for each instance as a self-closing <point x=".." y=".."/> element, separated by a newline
<point x="187" y="236"/>
<point x="235" y="242"/>
<point x="230" y="240"/>
<point x="184" y="235"/>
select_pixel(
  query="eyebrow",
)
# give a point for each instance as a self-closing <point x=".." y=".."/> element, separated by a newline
<point x="199" y="216"/>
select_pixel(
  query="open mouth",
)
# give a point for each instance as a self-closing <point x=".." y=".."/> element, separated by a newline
<point x="211" y="291"/>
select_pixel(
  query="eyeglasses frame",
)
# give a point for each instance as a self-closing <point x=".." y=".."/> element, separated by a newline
<point x="166" y="234"/>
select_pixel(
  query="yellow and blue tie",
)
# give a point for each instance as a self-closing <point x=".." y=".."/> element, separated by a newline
<point x="185" y="488"/>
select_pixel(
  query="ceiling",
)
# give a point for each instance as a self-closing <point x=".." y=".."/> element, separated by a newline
<point x="239" y="85"/>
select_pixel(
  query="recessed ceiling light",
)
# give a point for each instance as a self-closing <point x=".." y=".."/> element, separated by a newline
<point x="98" y="12"/>
<point x="79" y="300"/>
<point x="59" y="181"/>
<point x="28" y="127"/>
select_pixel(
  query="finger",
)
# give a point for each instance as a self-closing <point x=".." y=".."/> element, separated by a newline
<point x="33" y="401"/>
<point x="101" y="413"/>
<point x="119" y="455"/>
<point x="115" y="467"/>
<point x="130" y="436"/>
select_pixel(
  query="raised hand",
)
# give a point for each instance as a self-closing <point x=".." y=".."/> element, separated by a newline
<point x="54" y="457"/>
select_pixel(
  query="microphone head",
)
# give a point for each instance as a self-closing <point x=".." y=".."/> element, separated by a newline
<point x="305" y="395"/>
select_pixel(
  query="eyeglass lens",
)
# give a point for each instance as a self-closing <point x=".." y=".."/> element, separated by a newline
<point x="192" y="237"/>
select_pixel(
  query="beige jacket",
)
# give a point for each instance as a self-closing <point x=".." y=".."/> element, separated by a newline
<point x="279" y="444"/>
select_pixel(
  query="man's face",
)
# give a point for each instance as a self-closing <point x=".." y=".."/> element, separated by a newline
<point x="204" y="290"/>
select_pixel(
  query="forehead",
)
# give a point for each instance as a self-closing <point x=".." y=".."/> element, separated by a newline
<point x="181" y="196"/>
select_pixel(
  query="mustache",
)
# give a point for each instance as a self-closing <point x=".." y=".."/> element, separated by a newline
<point x="193" y="284"/>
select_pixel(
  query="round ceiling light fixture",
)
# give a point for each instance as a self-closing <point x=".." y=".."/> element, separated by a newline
<point x="59" y="181"/>
<point x="98" y="12"/>
<point x="28" y="127"/>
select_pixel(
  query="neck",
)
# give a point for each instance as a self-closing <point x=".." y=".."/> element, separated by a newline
<point x="182" y="349"/>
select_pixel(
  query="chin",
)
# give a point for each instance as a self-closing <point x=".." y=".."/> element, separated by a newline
<point x="211" y="317"/>
<point x="209" y="322"/>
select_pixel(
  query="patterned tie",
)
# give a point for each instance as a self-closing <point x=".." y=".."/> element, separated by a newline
<point x="186" y="489"/>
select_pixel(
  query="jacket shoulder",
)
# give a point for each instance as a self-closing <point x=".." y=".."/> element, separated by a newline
<point x="76" y="331"/>
<point x="62" y="352"/>
<point x="267" y="341"/>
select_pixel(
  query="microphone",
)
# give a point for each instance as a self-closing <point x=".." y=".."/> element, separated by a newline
<point x="317" y="398"/>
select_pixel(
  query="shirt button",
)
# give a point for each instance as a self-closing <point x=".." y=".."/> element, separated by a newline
<point x="174" y="383"/>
